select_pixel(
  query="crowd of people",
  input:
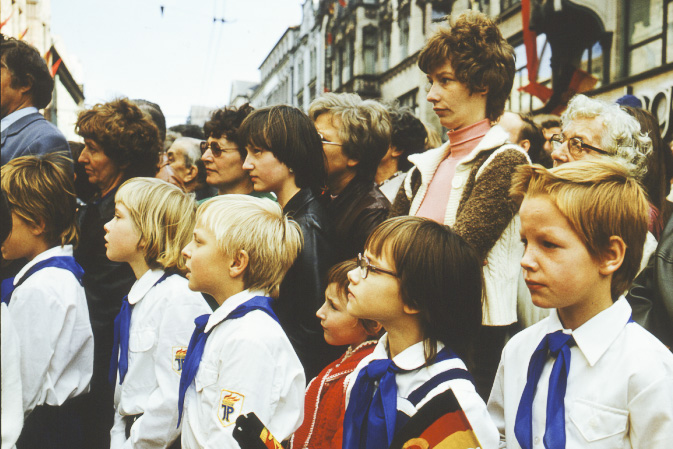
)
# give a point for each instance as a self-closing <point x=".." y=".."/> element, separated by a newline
<point x="341" y="274"/>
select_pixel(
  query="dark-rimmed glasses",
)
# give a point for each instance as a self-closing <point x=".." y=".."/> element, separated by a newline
<point x="365" y="267"/>
<point x="327" y="142"/>
<point x="576" y="146"/>
<point x="214" y="148"/>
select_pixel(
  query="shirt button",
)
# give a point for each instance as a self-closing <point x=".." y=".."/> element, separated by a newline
<point x="457" y="182"/>
<point x="537" y="440"/>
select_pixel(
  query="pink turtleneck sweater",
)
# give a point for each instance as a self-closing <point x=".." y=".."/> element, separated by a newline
<point x="462" y="142"/>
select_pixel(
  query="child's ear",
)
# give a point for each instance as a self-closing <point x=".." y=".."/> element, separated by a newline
<point x="38" y="229"/>
<point x="613" y="256"/>
<point x="410" y="310"/>
<point x="239" y="263"/>
<point x="396" y="153"/>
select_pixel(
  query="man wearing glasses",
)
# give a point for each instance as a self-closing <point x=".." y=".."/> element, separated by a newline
<point x="223" y="153"/>
<point x="594" y="128"/>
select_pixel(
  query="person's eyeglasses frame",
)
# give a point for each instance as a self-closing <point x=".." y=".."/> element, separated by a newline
<point x="214" y="148"/>
<point x="327" y="142"/>
<point x="365" y="267"/>
<point x="575" y="148"/>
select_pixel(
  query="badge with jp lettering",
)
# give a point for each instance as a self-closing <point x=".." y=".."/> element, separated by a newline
<point x="231" y="404"/>
<point x="179" y="353"/>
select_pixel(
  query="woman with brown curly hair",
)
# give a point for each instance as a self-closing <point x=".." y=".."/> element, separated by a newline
<point x="121" y="142"/>
<point x="465" y="182"/>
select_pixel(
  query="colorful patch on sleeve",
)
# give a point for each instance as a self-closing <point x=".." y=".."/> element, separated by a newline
<point x="178" y="359"/>
<point x="231" y="404"/>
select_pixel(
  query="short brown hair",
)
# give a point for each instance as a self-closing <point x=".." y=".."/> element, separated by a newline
<point x="127" y="136"/>
<point x="365" y="128"/>
<point x="164" y="216"/>
<point x="40" y="189"/>
<point x="600" y="199"/>
<point x="225" y="122"/>
<point x="440" y="275"/>
<point x="480" y="57"/>
<point x="338" y="275"/>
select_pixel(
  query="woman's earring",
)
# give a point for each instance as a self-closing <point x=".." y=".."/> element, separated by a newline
<point x="291" y="171"/>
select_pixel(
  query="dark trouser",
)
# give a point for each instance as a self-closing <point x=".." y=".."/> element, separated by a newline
<point x="54" y="427"/>
<point x="486" y="356"/>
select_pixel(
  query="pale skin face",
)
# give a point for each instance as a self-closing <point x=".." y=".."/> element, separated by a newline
<point x="175" y="157"/>
<point x="340" y="168"/>
<point x="225" y="172"/>
<point x="123" y="241"/>
<point x="587" y="129"/>
<point x="548" y="132"/>
<point x="101" y="170"/>
<point x="452" y="101"/>
<point x="339" y="327"/>
<point x="559" y="270"/>
<point x="378" y="298"/>
<point x="209" y="270"/>
<point x="268" y="174"/>
<point x="25" y="241"/>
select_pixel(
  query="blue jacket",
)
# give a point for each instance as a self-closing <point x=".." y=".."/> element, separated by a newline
<point x="31" y="134"/>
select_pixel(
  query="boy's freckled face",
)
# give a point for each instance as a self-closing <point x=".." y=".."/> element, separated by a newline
<point x="207" y="266"/>
<point x="559" y="270"/>
<point x="339" y="327"/>
<point x="378" y="296"/>
<point x="122" y="236"/>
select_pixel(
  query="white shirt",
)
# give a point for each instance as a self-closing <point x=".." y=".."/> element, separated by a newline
<point x="12" y="406"/>
<point x="162" y="322"/>
<point x="248" y="365"/>
<point x="620" y="384"/>
<point x="15" y="116"/>
<point x="412" y="360"/>
<point x="51" y="317"/>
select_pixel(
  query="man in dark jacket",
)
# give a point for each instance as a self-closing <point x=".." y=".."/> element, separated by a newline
<point x="651" y="295"/>
<point x="355" y="136"/>
<point x="26" y="87"/>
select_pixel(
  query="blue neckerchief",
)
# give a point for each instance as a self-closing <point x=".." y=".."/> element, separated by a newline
<point x="370" y="419"/>
<point x="64" y="262"/>
<point x="557" y="344"/>
<point x="120" y="346"/>
<point x="198" y="342"/>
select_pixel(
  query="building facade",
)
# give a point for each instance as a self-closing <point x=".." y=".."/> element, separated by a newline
<point x="371" y="47"/>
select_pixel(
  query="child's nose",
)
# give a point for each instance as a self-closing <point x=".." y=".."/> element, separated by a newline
<point x="528" y="261"/>
<point x="354" y="275"/>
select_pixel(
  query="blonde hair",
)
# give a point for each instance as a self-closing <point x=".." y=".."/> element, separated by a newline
<point x="40" y="189"/>
<point x="600" y="199"/>
<point x="164" y="216"/>
<point x="258" y="227"/>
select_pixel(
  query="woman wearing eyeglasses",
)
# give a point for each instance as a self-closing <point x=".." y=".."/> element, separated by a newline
<point x="465" y="182"/>
<point x="285" y="157"/>
<point x="223" y="153"/>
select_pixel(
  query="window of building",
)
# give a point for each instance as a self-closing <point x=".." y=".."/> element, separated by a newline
<point x="507" y="4"/>
<point x="336" y="81"/>
<point x="410" y="100"/>
<point x="300" y="73"/>
<point x="300" y="100"/>
<point x="440" y="9"/>
<point x="385" y="48"/>
<point x="520" y="101"/>
<point x="313" y="64"/>
<point x="649" y="32"/>
<point x="369" y="50"/>
<point x="347" y="72"/>
<point x="404" y="31"/>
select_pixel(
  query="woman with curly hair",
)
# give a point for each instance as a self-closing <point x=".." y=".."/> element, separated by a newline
<point x="465" y="182"/>
<point x="121" y="142"/>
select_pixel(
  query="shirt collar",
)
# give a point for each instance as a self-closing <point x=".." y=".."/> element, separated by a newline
<point x="410" y="359"/>
<point x="57" y="251"/>
<point x="229" y="305"/>
<point x="595" y="336"/>
<point x="144" y="284"/>
<point x="15" y="116"/>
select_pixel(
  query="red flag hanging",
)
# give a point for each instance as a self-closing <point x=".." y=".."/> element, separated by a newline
<point x="54" y="68"/>
<point x="343" y="3"/>
<point x="4" y="22"/>
<point x="22" y="35"/>
<point x="530" y="41"/>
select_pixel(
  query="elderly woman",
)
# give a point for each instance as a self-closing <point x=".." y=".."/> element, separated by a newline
<point x="121" y="142"/>
<point x="465" y="182"/>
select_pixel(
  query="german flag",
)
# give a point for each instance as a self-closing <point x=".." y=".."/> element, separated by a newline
<point x="439" y="424"/>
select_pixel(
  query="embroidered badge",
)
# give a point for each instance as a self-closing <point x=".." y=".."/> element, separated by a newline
<point x="179" y="353"/>
<point x="231" y="404"/>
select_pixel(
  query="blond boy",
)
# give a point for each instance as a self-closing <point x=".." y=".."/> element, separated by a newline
<point x="239" y="359"/>
<point x="587" y="376"/>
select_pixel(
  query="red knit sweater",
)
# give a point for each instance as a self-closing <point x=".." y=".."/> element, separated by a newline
<point x="324" y="404"/>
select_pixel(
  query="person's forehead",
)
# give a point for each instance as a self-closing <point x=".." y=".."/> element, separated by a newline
<point x="584" y="128"/>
